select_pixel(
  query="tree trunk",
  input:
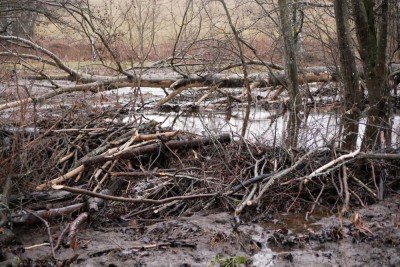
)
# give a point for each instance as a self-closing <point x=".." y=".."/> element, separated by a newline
<point x="290" y="54"/>
<point x="349" y="76"/>
<point x="373" y="46"/>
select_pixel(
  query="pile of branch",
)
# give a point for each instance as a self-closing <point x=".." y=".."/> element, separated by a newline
<point x="139" y="171"/>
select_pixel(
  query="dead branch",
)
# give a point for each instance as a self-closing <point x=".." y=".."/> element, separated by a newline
<point x="330" y="164"/>
<point x="62" y="178"/>
<point x="48" y="231"/>
<point x="74" y="227"/>
<point x="48" y="53"/>
<point x="28" y="218"/>
<point x="61" y="237"/>
<point x="4" y="201"/>
<point x="285" y="172"/>
<point x="153" y="148"/>
<point x="130" y="200"/>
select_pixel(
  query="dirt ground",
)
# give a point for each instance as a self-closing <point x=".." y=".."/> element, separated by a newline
<point x="365" y="237"/>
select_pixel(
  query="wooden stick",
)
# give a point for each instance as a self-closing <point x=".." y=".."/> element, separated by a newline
<point x="74" y="226"/>
<point x="152" y="148"/>
<point x="48" y="214"/>
<point x="285" y="172"/>
<point x="346" y="190"/>
<point x="130" y="200"/>
<point x="61" y="237"/>
<point x="329" y="164"/>
<point x="61" y="178"/>
<point x="48" y="231"/>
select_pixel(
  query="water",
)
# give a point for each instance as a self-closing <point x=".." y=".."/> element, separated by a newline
<point x="267" y="126"/>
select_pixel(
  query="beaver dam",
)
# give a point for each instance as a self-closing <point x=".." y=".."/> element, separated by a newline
<point x="109" y="178"/>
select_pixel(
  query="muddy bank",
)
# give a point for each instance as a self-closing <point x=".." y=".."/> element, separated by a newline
<point x="209" y="239"/>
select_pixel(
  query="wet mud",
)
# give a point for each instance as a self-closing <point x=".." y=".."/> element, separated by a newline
<point x="363" y="237"/>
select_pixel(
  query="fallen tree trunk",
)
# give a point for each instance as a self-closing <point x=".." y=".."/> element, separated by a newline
<point x="95" y="83"/>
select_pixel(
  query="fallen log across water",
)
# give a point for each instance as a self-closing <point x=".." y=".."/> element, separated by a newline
<point x="179" y="83"/>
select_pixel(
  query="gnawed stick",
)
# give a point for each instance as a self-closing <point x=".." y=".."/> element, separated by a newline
<point x="130" y="200"/>
<point x="148" y="137"/>
<point x="61" y="178"/>
<point x="248" y="201"/>
<point x="331" y="163"/>
<point x="37" y="246"/>
<point x="74" y="227"/>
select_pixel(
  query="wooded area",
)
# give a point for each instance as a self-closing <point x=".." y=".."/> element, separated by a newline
<point x="75" y="151"/>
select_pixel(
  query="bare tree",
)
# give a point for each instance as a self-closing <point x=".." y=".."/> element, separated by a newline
<point x="290" y="53"/>
<point x="349" y="75"/>
<point x="291" y="70"/>
<point x="372" y="35"/>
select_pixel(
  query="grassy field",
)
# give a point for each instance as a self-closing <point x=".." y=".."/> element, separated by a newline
<point x="129" y="26"/>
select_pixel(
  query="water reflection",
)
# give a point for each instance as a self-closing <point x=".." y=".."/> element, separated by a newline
<point x="310" y="129"/>
<point x="270" y="127"/>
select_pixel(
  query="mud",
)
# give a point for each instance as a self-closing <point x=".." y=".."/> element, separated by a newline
<point x="209" y="239"/>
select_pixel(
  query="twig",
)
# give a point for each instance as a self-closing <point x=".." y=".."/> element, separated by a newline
<point x="48" y="231"/>
<point x="74" y="226"/>
<point x="316" y="200"/>
<point x="130" y="200"/>
<point x="99" y="184"/>
<point x="358" y="197"/>
<point x="285" y="172"/>
<point x="61" y="237"/>
<point x="363" y="185"/>
<point x="247" y="201"/>
<point x="346" y="190"/>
